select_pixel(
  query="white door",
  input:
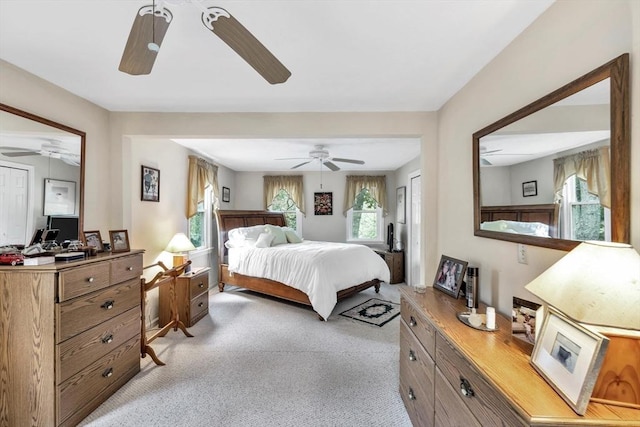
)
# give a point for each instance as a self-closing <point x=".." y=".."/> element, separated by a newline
<point x="14" y="197"/>
<point x="414" y="277"/>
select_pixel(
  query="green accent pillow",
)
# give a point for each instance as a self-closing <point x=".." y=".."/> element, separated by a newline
<point x="292" y="236"/>
<point x="279" y="238"/>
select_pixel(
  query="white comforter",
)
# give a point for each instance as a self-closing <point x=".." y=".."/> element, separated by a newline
<point x="319" y="269"/>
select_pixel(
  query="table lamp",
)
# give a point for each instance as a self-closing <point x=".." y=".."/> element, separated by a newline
<point x="598" y="283"/>
<point x="178" y="245"/>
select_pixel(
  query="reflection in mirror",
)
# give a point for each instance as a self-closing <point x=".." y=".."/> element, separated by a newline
<point x="42" y="168"/>
<point x="554" y="172"/>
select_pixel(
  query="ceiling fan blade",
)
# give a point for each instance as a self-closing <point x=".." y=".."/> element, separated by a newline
<point x="331" y="166"/>
<point x="355" y="162"/>
<point x="234" y="34"/>
<point x="20" y="153"/>
<point x="145" y="39"/>
<point x="485" y="162"/>
<point x="301" y="164"/>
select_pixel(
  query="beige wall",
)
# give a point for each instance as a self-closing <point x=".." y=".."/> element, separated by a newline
<point x="568" y="40"/>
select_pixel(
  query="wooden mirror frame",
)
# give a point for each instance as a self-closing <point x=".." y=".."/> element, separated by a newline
<point x="82" y="135"/>
<point x="617" y="70"/>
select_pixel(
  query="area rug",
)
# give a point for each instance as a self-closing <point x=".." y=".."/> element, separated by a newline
<point x="374" y="311"/>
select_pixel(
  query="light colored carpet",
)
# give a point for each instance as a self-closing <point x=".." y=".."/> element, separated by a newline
<point x="255" y="361"/>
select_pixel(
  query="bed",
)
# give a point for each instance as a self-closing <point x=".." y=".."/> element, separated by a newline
<point x="534" y="220"/>
<point x="228" y="220"/>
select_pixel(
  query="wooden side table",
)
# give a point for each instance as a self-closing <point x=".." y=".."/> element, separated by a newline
<point x="192" y="298"/>
<point x="395" y="261"/>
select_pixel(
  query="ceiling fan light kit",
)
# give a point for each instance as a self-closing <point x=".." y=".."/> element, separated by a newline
<point x="150" y="27"/>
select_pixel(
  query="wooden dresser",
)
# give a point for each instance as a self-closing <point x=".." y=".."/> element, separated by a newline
<point x="454" y="375"/>
<point x="395" y="262"/>
<point x="69" y="337"/>
<point x="192" y="298"/>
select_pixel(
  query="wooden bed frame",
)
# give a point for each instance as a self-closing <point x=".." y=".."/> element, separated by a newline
<point x="546" y="214"/>
<point x="230" y="219"/>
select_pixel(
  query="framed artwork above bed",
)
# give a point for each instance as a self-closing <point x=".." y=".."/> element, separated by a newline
<point x="323" y="203"/>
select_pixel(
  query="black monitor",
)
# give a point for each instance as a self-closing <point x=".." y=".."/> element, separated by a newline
<point x="67" y="226"/>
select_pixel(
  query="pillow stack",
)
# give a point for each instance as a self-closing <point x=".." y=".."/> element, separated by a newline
<point x="261" y="236"/>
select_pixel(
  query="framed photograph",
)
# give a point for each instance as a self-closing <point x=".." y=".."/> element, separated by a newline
<point x="323" y="203"/>
<point x="569" y="357"/>
<point x="93" y="239"/>
<point x="119" y="240"/>
<point x="449" y="275"/>
<point x="401" y="205"/>
<point x="524" y="317"/>
<point x="150" y="184"/>
<point x="529" y="188"/>
<point x="59" y="197"/>
<point x="226" y="194"/>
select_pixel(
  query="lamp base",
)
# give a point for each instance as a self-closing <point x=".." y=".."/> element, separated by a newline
<point x="618" y="381"/>
<point x="178" y="260"/>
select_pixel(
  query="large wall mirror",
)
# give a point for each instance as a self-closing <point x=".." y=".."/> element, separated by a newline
<point x="557" y="171"/>
<point x="41" y="177"/>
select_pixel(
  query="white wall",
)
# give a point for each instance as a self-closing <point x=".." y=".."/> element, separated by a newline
<point x="568" y="40"/>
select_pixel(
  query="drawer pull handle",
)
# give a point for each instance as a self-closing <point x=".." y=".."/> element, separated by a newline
<point x="129" y="268"/>
<point x="412" y="321"/>
<point x="108" y="305"/>
<point x="412" y="356"/>
<point x="108" y="339"/>
<point x="201" y="285"/>
<point x="200" y="304"/>
<point x="91" y="279"/>
<point x="107" y="373"/>
<point x="465" y="388"/>
<point x="412" y="395"/>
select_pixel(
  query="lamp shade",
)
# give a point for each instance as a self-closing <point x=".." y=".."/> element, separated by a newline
<point x="180" y="243"/>
<point x="596" y="283"/>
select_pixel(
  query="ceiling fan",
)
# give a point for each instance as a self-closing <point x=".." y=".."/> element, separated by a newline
<point x="52" y="148"/>
<point x="151" y="24"/>
<point x="320" y="154"/>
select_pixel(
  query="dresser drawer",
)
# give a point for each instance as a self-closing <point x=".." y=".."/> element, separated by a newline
<point x="126" y="268"/>
<point x="488" y="406"/>
<point x="83" y="349"/>
<point x="79" y="314"/>
<point x="199" y="307"/>
<point x="84" y="386"/>
<point x="82" y="280"/>
<point x="450" y="411"/>
<point x="421" y="327"/>
<point x="198" y="284"/>
<point x="416" y="378"/>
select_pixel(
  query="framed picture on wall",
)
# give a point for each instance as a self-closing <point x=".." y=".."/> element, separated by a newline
<point x="150" y="184"/>
<point x="59" y="197"/>
<point x="323" y="203"/>
<point x="401" y="205"/>
<point x="529" y="188"/>
<point x="226" y="194"/>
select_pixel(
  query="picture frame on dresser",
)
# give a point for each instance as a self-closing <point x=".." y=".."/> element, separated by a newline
<point x="569" y="356"/>
<point x="449" y="276"/>
<point x="119" y="240"/>
<point x="93" y="240"/>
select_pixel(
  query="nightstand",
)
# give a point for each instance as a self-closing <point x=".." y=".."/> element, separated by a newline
<point x="395" y="261"/>
<point x="192" y="295"/>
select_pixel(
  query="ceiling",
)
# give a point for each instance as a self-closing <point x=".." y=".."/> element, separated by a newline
<point x="347" y="55"/>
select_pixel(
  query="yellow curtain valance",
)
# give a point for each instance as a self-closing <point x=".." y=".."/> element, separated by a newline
<point x="292" y="184"/>
<point x="201" y="174"/>
<point x="377" y="186"/>
<point x="591" y="165"/>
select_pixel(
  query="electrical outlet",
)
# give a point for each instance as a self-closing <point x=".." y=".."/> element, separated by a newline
<point x="522" y="254"/>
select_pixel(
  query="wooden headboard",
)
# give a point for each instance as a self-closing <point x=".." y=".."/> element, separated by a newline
<point x="228" y="220"/>
<point x="546" y="214"/>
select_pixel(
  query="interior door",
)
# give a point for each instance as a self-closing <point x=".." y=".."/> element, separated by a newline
<point x="14" y="198"/>
<point x="415" y="192"/>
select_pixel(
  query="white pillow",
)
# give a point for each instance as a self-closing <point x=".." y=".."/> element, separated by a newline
<point x="245" y="233"/>
<point x="279" y="238"/>
<point x="291" y="235"/>
<point x="264" y="240"/>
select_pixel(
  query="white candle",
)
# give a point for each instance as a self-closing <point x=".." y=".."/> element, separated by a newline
<point x="491" y="318"/>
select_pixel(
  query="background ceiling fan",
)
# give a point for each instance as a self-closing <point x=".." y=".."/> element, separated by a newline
<point x="320" y="154"/>
<point x="151" y="24"/>
<point x="51" y="148"/>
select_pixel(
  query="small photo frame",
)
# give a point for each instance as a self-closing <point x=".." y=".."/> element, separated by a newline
<point x="323" y="203"/>
<point x="59" y="197"/>
<point x="226" y="194"/>
<point x="150" y="184"/>
<point x="524" y="319"/>
<point x="529" y="188"/>
<point x="569" y="357"/>
<point x="93" y="240"/>
<point x="119" y="240"/>
<point x="449" y="275"/>
<point x="401" y="205"/>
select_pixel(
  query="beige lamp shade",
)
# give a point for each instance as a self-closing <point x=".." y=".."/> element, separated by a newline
<point x="596" y="283"/>
<point x="180" y="243"/>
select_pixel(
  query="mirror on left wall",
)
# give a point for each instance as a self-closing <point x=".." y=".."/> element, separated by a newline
<point x="41" y="177"/>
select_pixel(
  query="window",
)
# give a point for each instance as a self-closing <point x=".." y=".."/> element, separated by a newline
<point x="364" y="221"/>
<point x="583" y="216"/>
<point x="200" y="223"/>
<point x="282" y="202"/>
